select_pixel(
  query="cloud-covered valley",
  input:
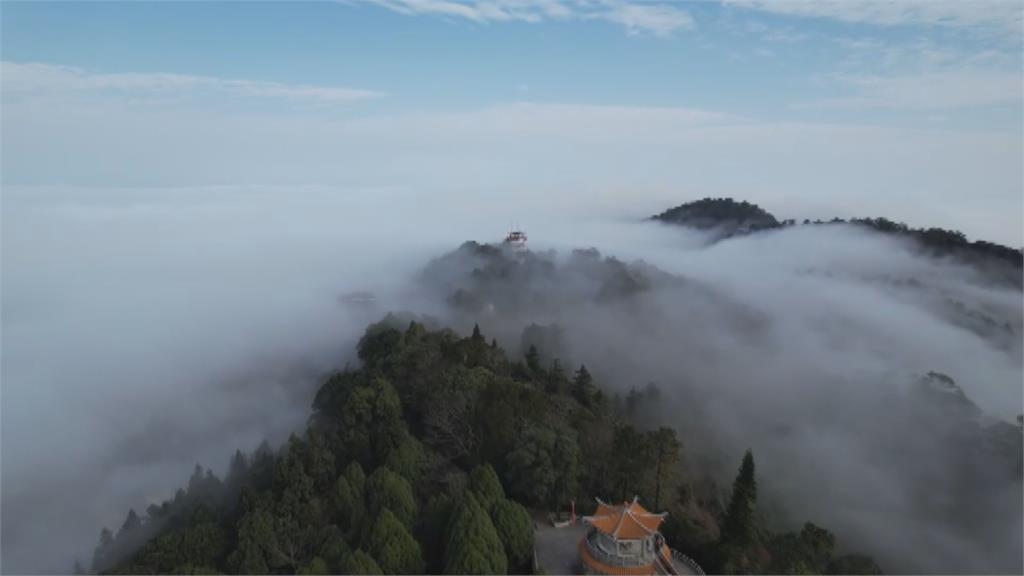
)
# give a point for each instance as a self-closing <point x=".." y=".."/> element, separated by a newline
<point x="147" y="330"/>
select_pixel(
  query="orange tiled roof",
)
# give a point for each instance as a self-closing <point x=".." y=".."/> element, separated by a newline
<point x="604" y="509"/>
<point x="631" y="521"/>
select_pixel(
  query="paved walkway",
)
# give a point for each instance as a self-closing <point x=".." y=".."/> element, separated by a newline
<point x="556" y="547"/>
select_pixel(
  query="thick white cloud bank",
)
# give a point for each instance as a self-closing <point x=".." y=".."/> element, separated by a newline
<point x="63" y="125"/>
<point x="145" y="330"/>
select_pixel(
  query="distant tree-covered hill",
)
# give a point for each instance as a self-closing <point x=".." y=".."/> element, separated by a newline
<point x="725" y="218"/>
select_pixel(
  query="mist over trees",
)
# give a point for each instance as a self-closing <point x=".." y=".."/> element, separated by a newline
<point x="725" y="218"/>
<point x="848" y="376"/>
<point x="832" y="352"/>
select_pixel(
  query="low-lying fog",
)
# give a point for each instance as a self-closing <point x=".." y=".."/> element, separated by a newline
<point x="147" y="330"/>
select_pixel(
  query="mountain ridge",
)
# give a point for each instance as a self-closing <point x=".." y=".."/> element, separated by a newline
<point x="727" y="218"/>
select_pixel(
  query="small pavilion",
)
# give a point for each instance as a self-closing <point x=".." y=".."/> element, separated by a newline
<point x="624" y="540"/>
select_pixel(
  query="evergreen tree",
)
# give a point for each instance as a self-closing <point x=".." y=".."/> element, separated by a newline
<point x="665" y="448"/>
<point x="319" y="461"/>
<point x="391" y="545"/>
<point x="237" y="477"/>
<point x="583" y="386"/>
<point x="261" y="466"/>
<point x="238" y="467"/>
<point x="566" y="456"/>
<point x="131" y="523"/>
<point x="356" y="477"/>
<point x="818" y="544"/>
<point x="475" y="349"/>
<point x="198" y="547"/>
<point x="407" y="459"/>
<point x="333" y="549"/>
<point x="473" y="544"/>
<point x="316" y="566"/>
<point x="101" y="558"/>
<point x="556" y="380"/>
<point x="256" y="550"/>
<point x="195" y="482"/>
<point x="360" y="562"/>
<point x="630" y="462"/>
<point x="204" y="489"/>
<point x="202" y="544"/>
<point x="298" y="512"/>
<point x="533" y="360"/>
<point x="544" y="467"/>
<point x="512" y="522"/>
<point x="531" y="467"/>
<point x="738" y="526"/>
<point x="809" y="552"/>
<point x="366" y="414"/>
<point x="632" y="401"/>
<point x="484" y="483"/>
<point x="386" y="490"/>
<point x="348" y="499"/>
<point x="349" y="506"/>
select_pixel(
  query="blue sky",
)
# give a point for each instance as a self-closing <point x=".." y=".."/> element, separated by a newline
<point x="793" y="104"/>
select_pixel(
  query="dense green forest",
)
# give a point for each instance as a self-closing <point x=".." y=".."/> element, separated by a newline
<point x="436" y="455"/>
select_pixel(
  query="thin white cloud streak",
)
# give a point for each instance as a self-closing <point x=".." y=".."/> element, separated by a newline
<point x="636" y="17"/>
<point x="936" y="90"/>
<point x="922" y="55"/>
<point x="922" y="75"/>
<point x="482" y="11"/>
<point x="36" y="79"/>
<point x="656" y="19"/>
<point x="1000" y="16"/>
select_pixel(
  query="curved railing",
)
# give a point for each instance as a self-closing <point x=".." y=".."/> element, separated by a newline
<point x="610" y="559"/>
<point x="601" y="556"/>
<point x="687" y="561"/>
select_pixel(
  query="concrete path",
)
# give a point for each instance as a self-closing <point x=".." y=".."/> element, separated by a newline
<point x="556" y="547"/>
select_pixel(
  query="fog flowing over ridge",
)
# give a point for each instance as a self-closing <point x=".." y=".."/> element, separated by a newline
<point x="816" y="347"/>
<point x="147" y="330"/>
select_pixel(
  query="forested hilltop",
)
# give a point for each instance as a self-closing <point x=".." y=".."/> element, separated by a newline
<point x="435" y="455"/>
<point x="727" y="217"/>
<point x="724" y="215"/>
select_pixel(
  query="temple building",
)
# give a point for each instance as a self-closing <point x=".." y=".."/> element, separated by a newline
<point x="625" y="540"/>
<point x="516" y="239"/>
